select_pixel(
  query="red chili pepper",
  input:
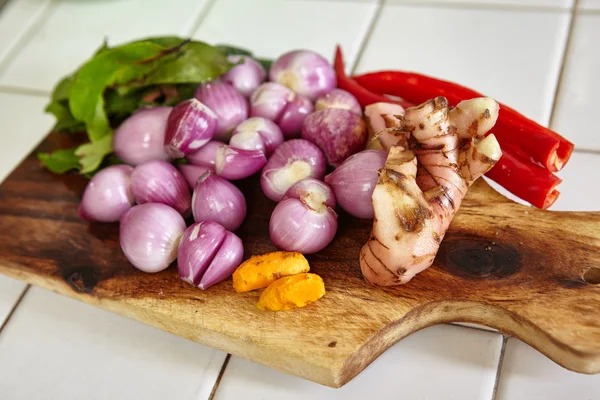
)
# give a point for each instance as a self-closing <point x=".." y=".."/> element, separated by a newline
<point x="364" y="96"/>
<point x="530" y="182"/>
<point x="542" y="144"/>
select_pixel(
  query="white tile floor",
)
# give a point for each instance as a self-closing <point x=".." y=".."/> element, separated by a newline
<point x="10" y="290"/>
<point x="54" y="348"/>
<point x="580" y="87"/>
<point x="16" y="20"/>
<point x="523" y="370"/>
<point x="94" y="354"/>
<point x="462" y="360"/>
<point x="518" y="66"/>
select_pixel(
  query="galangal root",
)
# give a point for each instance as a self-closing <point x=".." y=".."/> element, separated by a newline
<point x="439" y="153"/>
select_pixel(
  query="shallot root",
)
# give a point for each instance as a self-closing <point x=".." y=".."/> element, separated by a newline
<point x="440" y="152"/>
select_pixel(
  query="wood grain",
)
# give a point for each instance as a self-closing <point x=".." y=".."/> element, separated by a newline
<point x="504" y="265"/>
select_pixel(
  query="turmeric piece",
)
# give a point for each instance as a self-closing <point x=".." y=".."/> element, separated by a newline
<point x="292" y="292"/>
<point x="260" y="271"/>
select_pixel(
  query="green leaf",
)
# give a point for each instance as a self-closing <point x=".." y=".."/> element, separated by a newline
<point x="232" y="50"/>
<point x="121" y="106"/>
<point x="60" y="161"/>
<point x="113" y="66"/>
<point x="197" y="62"/>
<point x="62" y="90"/>
<point x="91" y="154"/>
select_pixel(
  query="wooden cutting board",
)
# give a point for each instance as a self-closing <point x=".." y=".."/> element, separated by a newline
<point x="511" y="267"/>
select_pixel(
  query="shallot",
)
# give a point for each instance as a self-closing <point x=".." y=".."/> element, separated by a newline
<point x="227" y="103"/>
<point x="354" y="180"/>
<point x="141" y="137"/>
<point x="234" y="164"/>
<point x="216" y="199"/>
<point x="150" y="234"/>
<point x="208" y="254"/>
<point x="338" y="132"/>
<point x="338" y="98"/>
<point x="291" y="162"/>
<point x="305" y="72"/>
<point x="108" y="195"/>
<point x="294" y="114"/>
<point x="161" y="182"/>
<point x="304" y="220"/>
<point x="190" y="126"/>
<point x="245" y="77"/>
<point x="206" y="154"/>
<point x="282" y="106"/>
<point x="191" y="173"/>
<point x="269" y="133"/>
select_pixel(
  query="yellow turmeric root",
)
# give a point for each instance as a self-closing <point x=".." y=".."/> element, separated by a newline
<point x="292" y="292"/>
<point x="260" y="271"/>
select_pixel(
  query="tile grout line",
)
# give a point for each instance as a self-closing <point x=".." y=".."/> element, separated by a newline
<point x="586" y="151"/>
<point x="201" y="17"/>
<point x="368" y="34"/>
<point x="27" y="35"/>
<point x="14" y="308"/>
<point x="3" y="3"/>
<point x="24" y="91"/>
<point x="499" y="370"/>
<point x="565" y="55"/>
<point x="219" y="377"/>
<point x="588" y="11"/>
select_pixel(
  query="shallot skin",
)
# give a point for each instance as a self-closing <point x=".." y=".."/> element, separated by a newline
<point x="218" y="200"/>
<point x="245" y="77"/>
<point x="191" y="173"/>
<point x="293" y="161"/>
<point x="108" y="195"/>
<point x="295" y="227"/>
<point x="228" y="258"/>
<point x="190" y="126"/>
<point x="161" y="182"/>
<point x="227" y="103"/>
<point x="305" y="72"/>
<point x="198" y="246"/>
<point x="149" y="235"/>
<point x="338" y="98"/>
<point x="338" y="132"/>
<point x="354" y="180"/>
<point x="141" y="137"/>
<point x="269" y="132"/>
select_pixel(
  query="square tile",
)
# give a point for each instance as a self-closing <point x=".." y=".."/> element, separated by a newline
<point x="589" y="4"/>
<point x="518" y="66"/>
<point x="576" y="193"/>
<point x="514" y="3"/>
<point x="58" y="348"/>
<point x="288" y="25"/>
<point x="578" y="93"/>
<point x="75" y="29"/>
<point x="24" y="124"/>
<point x="441" y="362"/>
<point x="16" y="18"/>
<point x="10" y="290"/>
<point x="527" y="374"/>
